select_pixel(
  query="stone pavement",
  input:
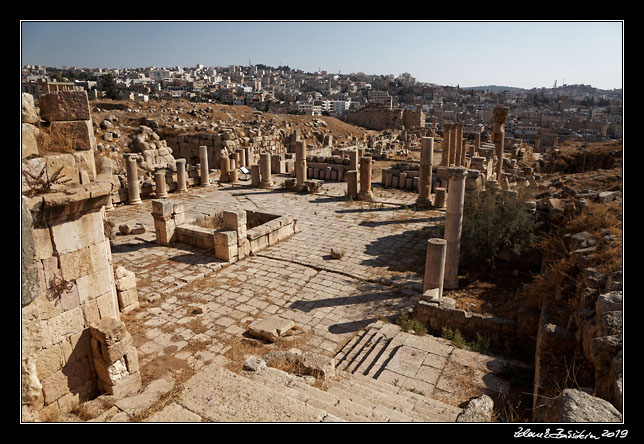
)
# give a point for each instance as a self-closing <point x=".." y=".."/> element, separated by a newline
<point x="194" y="306"/>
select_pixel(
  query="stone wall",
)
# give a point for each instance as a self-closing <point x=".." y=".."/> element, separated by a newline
<point x="186" y="146"/>
<point x="67" y="273"/>
<point x="380" y="118"/>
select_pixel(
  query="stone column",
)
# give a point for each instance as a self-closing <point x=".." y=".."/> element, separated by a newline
<point x="181" y="176"/>
<point x="353" y="160"/>
<point x="439" y="198"/>
<point x="242" y="158"/>
<point x="477" y="140"/>
<point x="224" y="167"/>
<point x="254" y="176"/>
<point x="425" y="173"/>
<point x="434" y="269"/>
<point x="232" y="174"/>
<point x="352" y="184"/>
<point x="498" y="136"/>
<point x="447" y="137"/>
<point x="453" y="222"/>
<point x="159" y="180"/>
<point x="300" y="164"/>
<point x="133" y="188"/>
<point x="458" y="144"/>
<point x="265" y="171"/>
<point x="203" y="161"/>
<point x="365" y="179"/>
<point x="452" y="145"/>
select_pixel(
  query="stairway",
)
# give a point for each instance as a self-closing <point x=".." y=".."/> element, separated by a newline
<point x="383" y="374"/>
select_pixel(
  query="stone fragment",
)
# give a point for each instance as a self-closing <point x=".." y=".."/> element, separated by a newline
<point x="478" y="410"/>
<point x="270" y="329"/>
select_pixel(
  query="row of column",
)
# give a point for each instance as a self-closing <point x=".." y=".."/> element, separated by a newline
<point x="227" y="165"/>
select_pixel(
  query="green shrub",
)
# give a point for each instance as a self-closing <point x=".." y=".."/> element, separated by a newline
<point x="492" y="223"/>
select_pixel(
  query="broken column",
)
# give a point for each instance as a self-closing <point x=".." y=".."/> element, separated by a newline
<point x="254" y="176"/>
<point x="425" y="173"/>
<point x="453" y="223"/>
<point x="265" y="171"/>
<point x="352" y="184"/>
<point x="498" y="136"/>
<point x="439" y="197"/>
<point x="133" y="189"/>
<point x="300" y="165"/>
<point x="115" y="358"/>
<point x="353" y="160"/>
<point x="224" y="167"/>
<point x="159" y="179"/>
<point x="232" y="173"/>
<point x="181" y="176"/>
<point x="365" y="179"/>
<point x="434" y="269"/>
<point x="203" y="161"/>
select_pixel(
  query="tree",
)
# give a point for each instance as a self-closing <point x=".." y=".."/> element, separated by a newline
<point x="109" y="87"/>
<point x="493" y="222"/>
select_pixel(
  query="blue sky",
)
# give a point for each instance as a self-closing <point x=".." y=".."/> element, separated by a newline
<point x="520" y="54"/>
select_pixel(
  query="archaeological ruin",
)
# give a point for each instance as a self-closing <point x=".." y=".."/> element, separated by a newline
<point x="193" y="262"/>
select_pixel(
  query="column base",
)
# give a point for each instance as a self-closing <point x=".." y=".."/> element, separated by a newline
<point x="424" y="203"/>
<point x="135" y="202"/>
<point x="365" y="195"/>
<point x="267" y="185"/>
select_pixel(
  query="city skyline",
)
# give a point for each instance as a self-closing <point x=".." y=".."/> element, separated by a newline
<point x="515" y="54"/>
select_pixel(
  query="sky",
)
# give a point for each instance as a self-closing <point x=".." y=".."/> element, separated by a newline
<point x="522" y="54"/>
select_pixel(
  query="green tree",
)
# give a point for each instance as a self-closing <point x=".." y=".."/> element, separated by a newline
<point x="492" y="223"/>
<point x="109" y="86"/>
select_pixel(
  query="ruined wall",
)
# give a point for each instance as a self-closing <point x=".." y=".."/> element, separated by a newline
<point x="186" y="146"/>
<point x="67" y="274"/>
<point x="380" y="118"/>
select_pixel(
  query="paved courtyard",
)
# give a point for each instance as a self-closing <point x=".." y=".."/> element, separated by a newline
<point x="195" y="306"/>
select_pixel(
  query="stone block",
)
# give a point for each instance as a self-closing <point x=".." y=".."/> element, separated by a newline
<point x="109" y="331"/>
<point x="226" y="252"/>
<point x="64" y="167"/>
<point x="128" y="300"/>
<point x="83" y="262"/>
<point x="162" y="207"/>
<point x="96" y="284"/>
<point x="29" y="141"/>
<point x="49" y="361"/>
<point x="271" y="328"/>
<point x="65" y="324"/>
<point x="83" y="232"/>
<point x="85" y="162"/>
<point x="76" y="135"/>
<point x="225" y="238"/>
<point x="126" y="282"/>
<point x="64" y="105"/>
<point x="234" y="218"/>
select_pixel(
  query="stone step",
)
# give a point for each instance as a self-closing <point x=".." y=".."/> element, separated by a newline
<point x="384" y="357"/>
<point x="347" y="354"/>
<point x="369" y="348"/>
<point x="409" y="403"/>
